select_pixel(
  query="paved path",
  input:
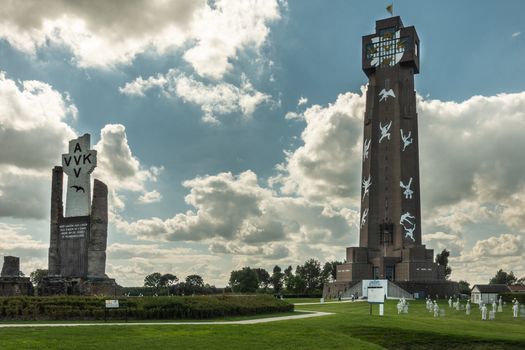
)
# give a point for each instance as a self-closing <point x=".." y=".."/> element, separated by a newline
<point x="329" y="302"/>
<point x="307" y="314"/>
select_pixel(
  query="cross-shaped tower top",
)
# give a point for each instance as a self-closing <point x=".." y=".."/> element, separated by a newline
<point x="78" y="164"/>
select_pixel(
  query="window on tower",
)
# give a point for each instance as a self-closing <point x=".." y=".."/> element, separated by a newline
<point x="387" y="48"/>
<point x="386" y="233"/>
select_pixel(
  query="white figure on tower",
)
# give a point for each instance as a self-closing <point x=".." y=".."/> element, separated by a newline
<point x="384" y="131"/>
<point x="366" y="185"/>
<point x="385" y="94"/>
<point x="363" y="218"/>
<point x="366" y="148"/>
<point x="406" y="218"/>
<point x="409" y="232"/>
<point x="407" y="140"/>
<point x="407" y="191"/>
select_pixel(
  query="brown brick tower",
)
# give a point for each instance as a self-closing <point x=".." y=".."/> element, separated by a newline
<point x="390" y="225"/>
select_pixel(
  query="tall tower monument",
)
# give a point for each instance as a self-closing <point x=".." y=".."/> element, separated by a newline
<point x="390" y="223"/>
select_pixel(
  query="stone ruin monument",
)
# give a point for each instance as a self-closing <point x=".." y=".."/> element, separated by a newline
<point x="11" y="280"/>
<point x="77" y="249"/>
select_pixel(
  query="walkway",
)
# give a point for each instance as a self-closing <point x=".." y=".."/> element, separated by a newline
<point x="308" y="314"/>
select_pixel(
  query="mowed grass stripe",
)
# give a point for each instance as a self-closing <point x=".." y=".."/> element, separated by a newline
<point x="349" y="328"/>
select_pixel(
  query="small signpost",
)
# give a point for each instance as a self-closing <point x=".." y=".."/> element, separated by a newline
<point x="111" y="304"/>
<point x="114" y="304"/>
<point x="376" y="295"/>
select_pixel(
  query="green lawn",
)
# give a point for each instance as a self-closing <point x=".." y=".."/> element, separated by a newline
<point x="349" y="328"/>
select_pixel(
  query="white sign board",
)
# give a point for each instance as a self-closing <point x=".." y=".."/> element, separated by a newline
<point x="376" y="295"/>
<point x="373" y="283"/>
<point x="111" y="304"/>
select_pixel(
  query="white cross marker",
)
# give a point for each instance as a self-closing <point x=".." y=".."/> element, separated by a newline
<point x="78" y="165"/>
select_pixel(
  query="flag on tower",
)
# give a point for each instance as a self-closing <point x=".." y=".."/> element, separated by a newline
<point x="390" y="9"/>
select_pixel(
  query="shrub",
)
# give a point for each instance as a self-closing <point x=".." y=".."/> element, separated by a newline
<point x="508" y="297"/>
<point x="174" y="307"/>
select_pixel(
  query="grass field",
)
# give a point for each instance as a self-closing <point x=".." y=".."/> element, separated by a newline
<point x="350" y="327"/>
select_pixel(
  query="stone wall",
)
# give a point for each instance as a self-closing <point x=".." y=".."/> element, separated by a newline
<point x="430" y="288"/>
<point x="57" y="212"/>
<point x="98" y="232"/>
<point x="13" y="286"/>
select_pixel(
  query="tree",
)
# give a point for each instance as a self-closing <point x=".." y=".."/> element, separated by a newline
<point x="152" y="280"/>
<point x="503" y="278"/>
<point x="168" y="280"/>
<point x="244" y="280"/>
<point x="288" y="278"/>
<point x="37" y="276"/>
<point x="195" y="281"/>
<point x="330" y="271"/>
<point x="464" y="287"/>
<point x="442" y="260"/>
<point x="276" y="280"/>
<point x="263" y="277"/>
<point x="310" y="273"/>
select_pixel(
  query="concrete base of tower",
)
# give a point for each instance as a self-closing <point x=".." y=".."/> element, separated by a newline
<point x="433" y="289"/>
<point x="407" y="265"/>
<point x="79" y="286"/>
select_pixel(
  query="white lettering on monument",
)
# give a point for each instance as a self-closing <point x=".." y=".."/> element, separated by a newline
<point x="78" y="164"/>
<point x="74" y="230"/>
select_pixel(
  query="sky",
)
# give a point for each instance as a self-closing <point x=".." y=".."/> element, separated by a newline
<point x="229" y="133"/>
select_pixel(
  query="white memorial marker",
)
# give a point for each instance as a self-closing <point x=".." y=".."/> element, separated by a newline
<point x="78" y="164"/>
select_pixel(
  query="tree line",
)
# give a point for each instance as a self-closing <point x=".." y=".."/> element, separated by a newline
<point x="308" y="278"/>
<point x="169" y="284"/>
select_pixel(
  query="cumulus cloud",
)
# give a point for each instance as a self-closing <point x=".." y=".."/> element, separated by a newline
<point x="132" y="262"/>
<point x="14" y="240"/>
<point x="454" y="243"/>
<point x="101" y="33"/>
<point x="234" y="215"/>
<point x="323" y="168"/>
<point x="502" y="245"/>
<point x="150" y="197"/>
<point x="33" y="134"/>
<point x="215" y="99"/>
<point x="120" y="169"/>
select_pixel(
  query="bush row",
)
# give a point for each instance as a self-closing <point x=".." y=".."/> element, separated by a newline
<point x="140" y="308"/>
<point x="508" y="297"/>
<point x="289" y="296"/>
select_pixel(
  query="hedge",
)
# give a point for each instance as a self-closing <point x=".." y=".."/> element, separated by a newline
<point x="138" y="308"/>
<point x="508" y="297"/>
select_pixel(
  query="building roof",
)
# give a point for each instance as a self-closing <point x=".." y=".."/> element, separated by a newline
<point x="491" y="288"/>
<point x="517" y="288"/>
